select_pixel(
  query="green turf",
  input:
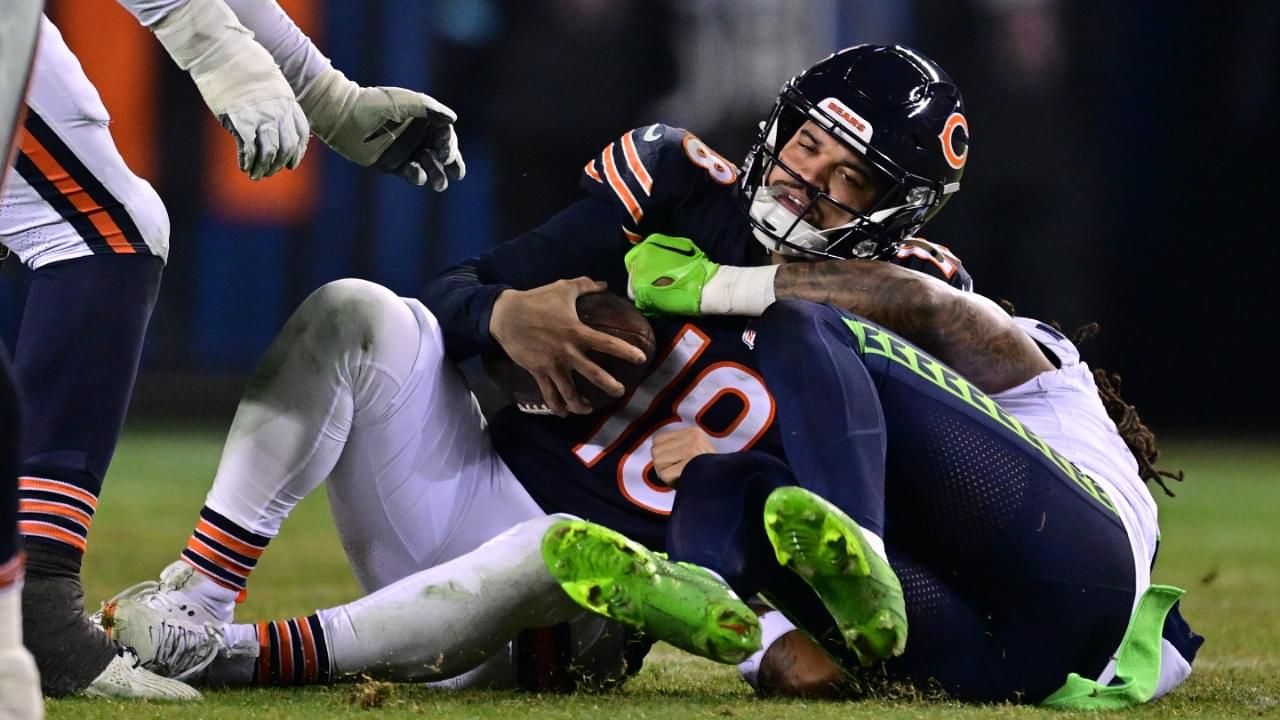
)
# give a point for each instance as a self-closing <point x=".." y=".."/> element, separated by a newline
<point x="1221" y="540"/>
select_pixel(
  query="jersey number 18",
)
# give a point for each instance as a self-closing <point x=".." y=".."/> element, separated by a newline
<point x="623" y="427"/>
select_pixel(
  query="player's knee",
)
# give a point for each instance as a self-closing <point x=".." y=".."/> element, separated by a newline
<point x="348" y="313"/>
<point x="349" y="304"/>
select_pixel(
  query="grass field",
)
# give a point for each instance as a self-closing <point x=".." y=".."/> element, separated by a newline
<point x="1221" y="543"/>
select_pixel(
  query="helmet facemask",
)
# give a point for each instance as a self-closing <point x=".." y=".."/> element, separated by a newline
<point x="875" y="232"/>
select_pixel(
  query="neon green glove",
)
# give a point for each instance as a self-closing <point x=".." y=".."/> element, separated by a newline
<point x="667" y="275"/>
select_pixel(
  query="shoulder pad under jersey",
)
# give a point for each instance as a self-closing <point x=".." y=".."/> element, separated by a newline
<point x="933" y="259"/>
<point x="650" y="170"/>
<point x="1051" y="338"/>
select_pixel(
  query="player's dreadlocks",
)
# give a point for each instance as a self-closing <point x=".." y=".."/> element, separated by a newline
<point x="1135" y="433"/>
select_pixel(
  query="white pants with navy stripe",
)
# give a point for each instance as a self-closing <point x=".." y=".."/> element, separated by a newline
<point x="69" y="193"/>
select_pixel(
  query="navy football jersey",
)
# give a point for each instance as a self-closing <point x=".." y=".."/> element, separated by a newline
<point x="599" y="466"/>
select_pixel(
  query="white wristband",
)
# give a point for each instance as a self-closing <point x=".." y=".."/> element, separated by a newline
<point x="773" y="625"/>
<point x="739" y="291"/>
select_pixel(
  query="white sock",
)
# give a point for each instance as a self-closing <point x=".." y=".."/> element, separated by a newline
<point x="218" y="600"/>
<point x="773" y="625"/>
<point x="239" y="633"/>
<point x="875" y="542"/>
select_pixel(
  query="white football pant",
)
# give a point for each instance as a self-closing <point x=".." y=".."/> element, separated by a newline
<point x="357" y="389"/>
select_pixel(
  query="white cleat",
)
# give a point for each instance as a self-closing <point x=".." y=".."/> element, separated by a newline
<point x="173" y="596"/>
<point x="20" y="697"/>
<point x="164" y="644"/>
<point x="125" y="677"/>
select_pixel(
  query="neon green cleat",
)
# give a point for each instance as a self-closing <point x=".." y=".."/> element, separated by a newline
<point x="682" y="604"/>
<point x="818" y="542"/>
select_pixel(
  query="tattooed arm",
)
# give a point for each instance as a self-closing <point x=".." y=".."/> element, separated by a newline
<point x="671" y="275"/>
<point x="964" y="330"/>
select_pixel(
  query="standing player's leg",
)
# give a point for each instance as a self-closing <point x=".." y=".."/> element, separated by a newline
<point x="95" y="236"/>
<point x="19" y="681"/>
<point x="76" y="358"/>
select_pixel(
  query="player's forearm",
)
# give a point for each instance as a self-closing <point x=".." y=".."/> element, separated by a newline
<point x="965" y="331"/>
<point x="462" y="301"/>
<point x="299" y="59"/>
<point x="150" y="12"/>
<point x="899" y="299"/>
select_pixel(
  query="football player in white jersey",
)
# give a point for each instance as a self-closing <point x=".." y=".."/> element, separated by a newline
<point x="96" y="237"/>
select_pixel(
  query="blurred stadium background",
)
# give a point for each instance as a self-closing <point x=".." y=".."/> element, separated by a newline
<point x="1121" y="165"/>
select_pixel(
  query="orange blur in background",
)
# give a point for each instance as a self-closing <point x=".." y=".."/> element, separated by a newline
<point x="123" y="60"/>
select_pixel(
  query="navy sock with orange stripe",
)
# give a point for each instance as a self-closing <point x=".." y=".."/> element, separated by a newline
<point x="55" y="509"/>
<point x="223" y="551"/>
<point x="292" y="652"/>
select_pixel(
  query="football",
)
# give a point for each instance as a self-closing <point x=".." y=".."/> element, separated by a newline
<point x="605" y="312"/>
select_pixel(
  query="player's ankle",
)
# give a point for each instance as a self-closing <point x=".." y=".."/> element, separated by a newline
<point x="69" y="649"/>
<point x="52" y="560"/>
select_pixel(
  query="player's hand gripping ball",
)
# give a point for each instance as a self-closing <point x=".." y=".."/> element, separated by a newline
<point x="607" y="313"/>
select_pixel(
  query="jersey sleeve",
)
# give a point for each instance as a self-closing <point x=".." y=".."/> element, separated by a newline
<point x="647" y="173"/>
<point x="150" y="12"/>
<point x="933" y="259"/>
<point x="579" y="241"/>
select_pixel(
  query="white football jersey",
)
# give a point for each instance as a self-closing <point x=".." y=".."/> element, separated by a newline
<point x="1062" y="407"/>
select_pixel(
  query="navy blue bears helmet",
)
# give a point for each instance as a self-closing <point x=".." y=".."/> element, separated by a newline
<point x="891" y="105"/>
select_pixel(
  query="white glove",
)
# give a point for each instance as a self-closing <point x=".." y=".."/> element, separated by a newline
<point x="395" y="130"/>
<point x="240" y="83"/>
